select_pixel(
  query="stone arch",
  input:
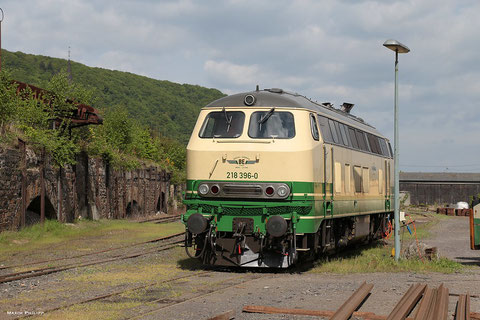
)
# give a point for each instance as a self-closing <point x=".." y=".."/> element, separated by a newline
<point x="33" y="212"/>
<point x="161" y="202"/>
<point x="133" y="208"/>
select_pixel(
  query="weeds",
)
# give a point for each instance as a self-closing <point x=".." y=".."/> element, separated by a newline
<point x="378" y="259"/>
<point x="72" y="236"/>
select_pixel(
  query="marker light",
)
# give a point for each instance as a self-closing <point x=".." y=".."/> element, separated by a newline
<point x="215" y="189"/>
<point x="269" y="191"/>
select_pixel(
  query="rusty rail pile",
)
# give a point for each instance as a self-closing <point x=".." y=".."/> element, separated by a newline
<point x="433" y="306"/>
<point x="454" y="212"/>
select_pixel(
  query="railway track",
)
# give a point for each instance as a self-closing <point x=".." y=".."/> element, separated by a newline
<point x="162" y="219"/>
<point x="204" y="291"/>
<point x="119" y="292"/>
<point x="168" y="242"/>
<point x="155" y="220"/>
<point x="207" y="290"/>
<point x="92" y="253"/>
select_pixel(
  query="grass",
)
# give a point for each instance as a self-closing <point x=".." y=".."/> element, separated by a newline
<point x="69" y="237"/>
<point x="125" y="274"/>
<point x="378" y="257"/>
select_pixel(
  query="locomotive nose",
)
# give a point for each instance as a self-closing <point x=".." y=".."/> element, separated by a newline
<point x="197" y="223"/>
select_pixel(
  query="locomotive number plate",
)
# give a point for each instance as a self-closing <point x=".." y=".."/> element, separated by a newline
<point x="241" y="175"/>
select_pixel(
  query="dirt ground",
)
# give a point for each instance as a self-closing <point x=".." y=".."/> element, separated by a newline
<point x="175" y="287"/>
<point x="452" y="238"/>
<point x="329" y="291"/>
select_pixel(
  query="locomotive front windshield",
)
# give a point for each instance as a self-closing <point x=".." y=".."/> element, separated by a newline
<point x="223" y="124"/>
<point x="271" y="124"/>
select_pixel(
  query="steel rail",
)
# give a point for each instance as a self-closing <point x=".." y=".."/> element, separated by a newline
<point x="167" y="220"/>
<point x="441" y="304"/>
<point x="427" y="304"/>
<point x="306" y="312"/>
<point x="353" y="302"/>
<point x="94" y="253"/>
<point x="44" y="271"/>
<point x="407" y="303"/>
<point x="224" y="316"/>
<point x="462" y="311"/>
<point x="161" y="219"/>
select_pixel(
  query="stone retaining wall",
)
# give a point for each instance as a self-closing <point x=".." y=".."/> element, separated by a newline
<point x="88" y="189"/>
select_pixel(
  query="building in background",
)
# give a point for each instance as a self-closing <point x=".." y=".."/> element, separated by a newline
<point x="439" y="188"/>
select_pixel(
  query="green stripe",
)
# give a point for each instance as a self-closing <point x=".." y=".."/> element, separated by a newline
<point x="300" y="206"/>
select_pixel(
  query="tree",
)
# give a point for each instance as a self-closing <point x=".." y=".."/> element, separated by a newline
<point x="8" y="101"/>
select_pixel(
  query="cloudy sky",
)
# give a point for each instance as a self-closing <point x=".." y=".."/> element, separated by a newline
<point x="326" y="50"/>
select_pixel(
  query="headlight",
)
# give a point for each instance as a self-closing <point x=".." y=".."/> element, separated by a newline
<point x="283" y="191"/>
<point x="203" y="189"/>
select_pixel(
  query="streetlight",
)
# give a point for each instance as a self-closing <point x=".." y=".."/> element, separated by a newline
<point x="398" y="48"/>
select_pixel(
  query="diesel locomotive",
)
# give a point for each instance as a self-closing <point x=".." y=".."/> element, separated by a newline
<point x="273" y="176"/>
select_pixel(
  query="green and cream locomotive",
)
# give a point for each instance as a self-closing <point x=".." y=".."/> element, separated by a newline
<point x="272" y="175"/>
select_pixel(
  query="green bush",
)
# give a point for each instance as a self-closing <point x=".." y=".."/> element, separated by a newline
<point x="121" y="140"/>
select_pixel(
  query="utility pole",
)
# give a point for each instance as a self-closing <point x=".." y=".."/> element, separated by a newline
<point x="69" y="67"/>
<point x="1" y="19"/>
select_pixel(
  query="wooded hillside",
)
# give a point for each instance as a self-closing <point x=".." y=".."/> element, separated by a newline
<point x="169" y="109"/>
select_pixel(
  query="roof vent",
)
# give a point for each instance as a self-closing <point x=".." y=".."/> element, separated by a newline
<point x="249" y="100"/>
<point x="275" y="90"/>
<point x="346" y="107"/>
<point x="328" y="104"/>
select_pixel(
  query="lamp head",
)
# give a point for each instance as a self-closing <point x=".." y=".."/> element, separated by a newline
<point x="396" y="46"/>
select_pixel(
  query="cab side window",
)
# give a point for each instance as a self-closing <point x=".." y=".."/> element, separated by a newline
<point x="313" y="127"/>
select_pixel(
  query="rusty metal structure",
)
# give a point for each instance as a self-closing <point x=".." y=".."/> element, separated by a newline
<point x="84" y="115"/>
<point x="80" y="116"/>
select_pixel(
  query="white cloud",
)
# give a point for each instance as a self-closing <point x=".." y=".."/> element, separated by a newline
<point x="328" y="50"/>
<point x="231" y="74"/>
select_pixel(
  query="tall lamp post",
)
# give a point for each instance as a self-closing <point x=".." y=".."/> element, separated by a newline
<point x="398" y="48"/>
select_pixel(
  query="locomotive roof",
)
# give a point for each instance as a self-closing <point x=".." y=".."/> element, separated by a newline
<point x="280" y="98"/>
